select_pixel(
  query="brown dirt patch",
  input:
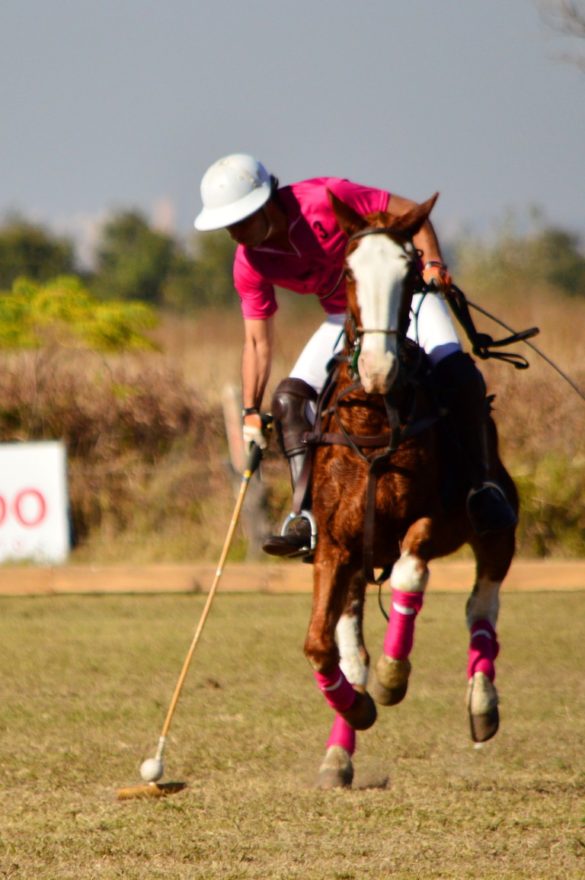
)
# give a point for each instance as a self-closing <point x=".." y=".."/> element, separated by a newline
<point x="449" y="576"/>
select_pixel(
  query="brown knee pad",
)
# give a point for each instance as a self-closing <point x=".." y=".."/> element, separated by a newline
<point x="289" y="409"/>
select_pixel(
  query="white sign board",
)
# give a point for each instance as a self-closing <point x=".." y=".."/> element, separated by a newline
<point x="34" y="523"/>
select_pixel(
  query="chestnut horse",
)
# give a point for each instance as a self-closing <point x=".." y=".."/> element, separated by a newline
<point x="378" y="500"/>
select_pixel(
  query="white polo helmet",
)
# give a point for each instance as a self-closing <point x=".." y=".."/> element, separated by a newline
<point x="231" y="189"/>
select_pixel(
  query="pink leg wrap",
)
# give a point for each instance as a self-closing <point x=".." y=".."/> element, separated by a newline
<point x="342" y="735"/>
<point x="400" y="630"/>
<point x="483" y="649"/>
<point x="336" y="689"/>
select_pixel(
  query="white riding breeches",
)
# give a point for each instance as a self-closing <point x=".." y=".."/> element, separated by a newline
<point x="430" y="325"/>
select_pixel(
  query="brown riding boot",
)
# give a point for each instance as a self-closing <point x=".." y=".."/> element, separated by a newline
<point x="462" y="390"/>
<point x="289" y="409"/>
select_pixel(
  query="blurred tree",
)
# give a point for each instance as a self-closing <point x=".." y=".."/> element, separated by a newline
<point x="62" y="312"/>
<point x="567" y="17"/>
<point x="133" y="261"/>
<point x="202" y="274"/>
<point x="548" y="255"/>
<point x="555" y="256"/>
<point x="27" y="249"/>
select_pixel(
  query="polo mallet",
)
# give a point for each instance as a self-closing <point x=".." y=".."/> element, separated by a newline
<point x="152" y="769"/>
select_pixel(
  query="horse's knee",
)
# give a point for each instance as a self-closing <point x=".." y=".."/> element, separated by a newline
<point x="289" y="408"/>
<point x="322" y="654"/>
<point x="409" y="573"/>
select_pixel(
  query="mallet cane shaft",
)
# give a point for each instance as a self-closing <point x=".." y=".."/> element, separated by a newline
<point x="254" y="458"/>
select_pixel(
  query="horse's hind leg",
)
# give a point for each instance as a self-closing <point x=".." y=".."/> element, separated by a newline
<point x="408" y="581"/>
<point x="336" y="770"/>
<point x="494" y="555"/>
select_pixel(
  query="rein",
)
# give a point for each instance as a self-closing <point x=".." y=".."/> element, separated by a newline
<point x="524" y="338"/>
<point x="482" y="343"/>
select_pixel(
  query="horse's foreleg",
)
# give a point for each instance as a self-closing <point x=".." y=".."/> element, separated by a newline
<point x="330" y="591"/>
<point x="482" y="696"/>
<point x="482" y="615"/>
<point x="336" y="770"/>
<point x="409" y="578"/>
<point x="482" y="611"/>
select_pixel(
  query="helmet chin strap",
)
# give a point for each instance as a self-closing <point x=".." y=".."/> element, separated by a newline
<point x="277" y="231"/>
<point x="269" y="224"/>
<point x="270" y="230"/>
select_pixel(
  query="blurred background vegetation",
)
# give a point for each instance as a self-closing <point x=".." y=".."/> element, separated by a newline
<point x="126" y="361"/>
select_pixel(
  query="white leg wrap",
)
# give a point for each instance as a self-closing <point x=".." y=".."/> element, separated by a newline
<point x="410" y="574"/>
<point x="484" y="602"/>
<point x="348" y="641"/>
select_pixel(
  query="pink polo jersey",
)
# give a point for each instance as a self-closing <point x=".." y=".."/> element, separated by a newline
<point x="318" y="242"/>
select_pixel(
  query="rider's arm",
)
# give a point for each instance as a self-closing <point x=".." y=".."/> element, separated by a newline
<point x="434" y="269"/>
<point x="256" y="359"/>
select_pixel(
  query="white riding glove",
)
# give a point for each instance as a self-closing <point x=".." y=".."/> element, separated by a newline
<point x="253" y="432"/>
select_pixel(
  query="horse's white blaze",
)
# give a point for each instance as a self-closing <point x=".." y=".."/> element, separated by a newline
<point x="484" y="602"/>
<point x="347" y="636"/>
<point x="409" y="574"/>
<point x="379" y="267"/>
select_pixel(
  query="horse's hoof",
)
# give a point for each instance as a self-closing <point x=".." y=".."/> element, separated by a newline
<point x="390" y="680"/>
<point x="482" y="705"/>
<point x="362" y="713"/>
<point x="336" y="771"/>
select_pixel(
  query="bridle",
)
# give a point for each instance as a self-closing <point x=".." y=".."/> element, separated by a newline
<point x="361" y="233"/>
<point x="357" y="331"/>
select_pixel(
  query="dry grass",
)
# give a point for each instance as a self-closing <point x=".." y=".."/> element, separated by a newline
<point x="147" y="452"/>
<point x="539" y="416"/>
<point x="208" y="346"/>
<point x="87" y="682"/>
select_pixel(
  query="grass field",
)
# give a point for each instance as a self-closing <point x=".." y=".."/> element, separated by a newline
<point x="86" y="682"/>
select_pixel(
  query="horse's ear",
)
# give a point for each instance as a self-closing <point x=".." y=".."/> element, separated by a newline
<point x="411" y="222"/>
<point x="349" y="220"/>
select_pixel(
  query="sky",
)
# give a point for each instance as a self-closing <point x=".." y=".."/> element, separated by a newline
<point x="108" y="105"/>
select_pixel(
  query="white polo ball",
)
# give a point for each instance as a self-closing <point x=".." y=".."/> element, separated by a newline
<point x="152" y="769"/>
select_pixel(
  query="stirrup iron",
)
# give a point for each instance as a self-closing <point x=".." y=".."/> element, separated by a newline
<point x="304" y="514"/>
